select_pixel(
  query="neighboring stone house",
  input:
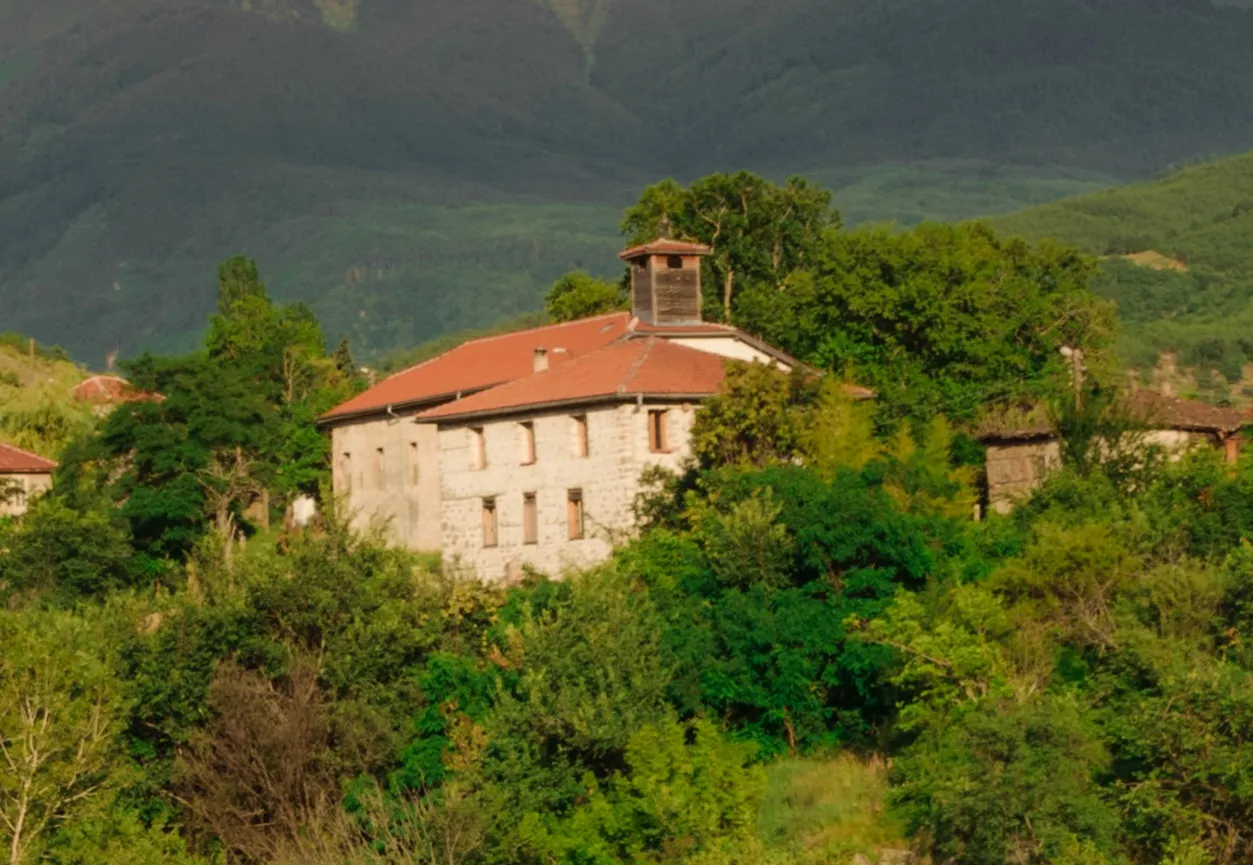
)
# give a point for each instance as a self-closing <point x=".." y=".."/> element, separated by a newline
<point x="527" y="448"/>
<point x="23" y="475"/>
<point x="1020" y="455"/>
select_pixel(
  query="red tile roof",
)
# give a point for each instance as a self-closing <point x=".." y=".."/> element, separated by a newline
<point x="1172" y="412"/>
<point x="482" y="363"/>
<point x="15" y="461"/>
<point x="108" y="389"/>
<point x="651" y="367"/>
<point x="665" y="246"/>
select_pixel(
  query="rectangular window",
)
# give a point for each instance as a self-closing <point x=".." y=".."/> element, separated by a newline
<point x="530" y="519"/>
<point x="478" y="448"/>
<point x="658" y="438"/>
<point x="415" y="474"/>
<point x="581" y="449"/>
<point x="490" y="526"/>
<point x="378" y="469"/>
<point x="526" y="432"/>
<point x="574" y="514"/>
<point x="345" y="471"/>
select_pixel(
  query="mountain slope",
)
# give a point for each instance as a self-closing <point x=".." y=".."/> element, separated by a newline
<point x="1119" y="85"/>
<point x="1178" y="259"/>
<point x="414" y="166"/>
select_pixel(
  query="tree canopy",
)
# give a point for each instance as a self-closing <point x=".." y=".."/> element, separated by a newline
<point x="809" y="651"/>
<point x="939" y="320"/>
<point x="223" y="428"/>
<point x="760" y="232"/>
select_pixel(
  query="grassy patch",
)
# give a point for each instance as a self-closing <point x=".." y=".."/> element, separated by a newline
<point x="37" y="409"/>
<point x="829" y="809"/>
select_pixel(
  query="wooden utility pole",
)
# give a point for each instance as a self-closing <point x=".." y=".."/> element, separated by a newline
<point x="1075" y="356"/>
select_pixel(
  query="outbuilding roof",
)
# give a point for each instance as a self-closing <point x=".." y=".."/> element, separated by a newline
<point x="1172" y="412"/>
<point x="647" y="367"/>
<point x="1152" y="409"/>
<point x="481" y="363"/>
<point x="15" y="461"/>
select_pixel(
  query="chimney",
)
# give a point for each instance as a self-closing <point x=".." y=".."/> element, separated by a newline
<point x="539" y="362"/>
<point x="665" y="281"/>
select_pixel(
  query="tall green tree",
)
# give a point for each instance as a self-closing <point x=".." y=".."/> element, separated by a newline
<point x="760" y="232"/>
<point x="61" y="714"/>
<point x="938" y="320"/>
<point x="238" y="280"/>
<point x="578" y="295"/>
<point x="229" y="425"/>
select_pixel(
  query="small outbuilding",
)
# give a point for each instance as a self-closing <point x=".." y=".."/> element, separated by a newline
<point x="23" y="475"/>
<point x="1020" y="454"/>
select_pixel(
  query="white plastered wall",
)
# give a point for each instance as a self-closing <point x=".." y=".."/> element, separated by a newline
<point x="25" y="487"/>
<point x="727" y="346"/>
<point x="387" y="471"/>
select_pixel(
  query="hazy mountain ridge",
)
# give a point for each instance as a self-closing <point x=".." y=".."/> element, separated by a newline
<point x="143" y="140"/>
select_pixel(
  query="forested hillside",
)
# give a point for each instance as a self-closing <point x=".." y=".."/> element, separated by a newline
<point x="1178" y="260"/>
<point x="410" y="168"/>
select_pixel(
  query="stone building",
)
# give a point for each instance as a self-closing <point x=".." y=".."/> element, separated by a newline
<point x="23" y="476"/>
<point x="1020" y="455"/>
<point x="527" y="448"/>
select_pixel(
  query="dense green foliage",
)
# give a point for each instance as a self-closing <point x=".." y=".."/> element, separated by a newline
<point x="939" y="320"/>
<point x="386" y="175"/>
<point x="1193" y="293"/>
<point x="225" y="428"/>
<point x="1065" y="685"/>
<point x="577" y="295"/>
<point x="808" y="651"/>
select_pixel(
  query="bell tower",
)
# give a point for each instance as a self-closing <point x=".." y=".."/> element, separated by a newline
<point x="665" y="281"/>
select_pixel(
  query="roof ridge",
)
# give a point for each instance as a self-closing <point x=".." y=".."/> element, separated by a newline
<point x="553" y="326"/>
<point x="636" y="364"/>
<point x="475" y="340"/>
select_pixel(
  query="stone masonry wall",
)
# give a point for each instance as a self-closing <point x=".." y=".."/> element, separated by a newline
<point x="387" y="471"/>
<point x="608" y="478"/>
<point x="1015" y="470"/>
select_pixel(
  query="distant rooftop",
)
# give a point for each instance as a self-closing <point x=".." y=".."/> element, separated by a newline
<point x="1154" y="410"/>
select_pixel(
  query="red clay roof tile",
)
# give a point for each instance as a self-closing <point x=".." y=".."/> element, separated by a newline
<point x="15" y="461"/>
<point x="482" y="363"/>
<point x="109" y="389"/>
<point x="651" y="367"/>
